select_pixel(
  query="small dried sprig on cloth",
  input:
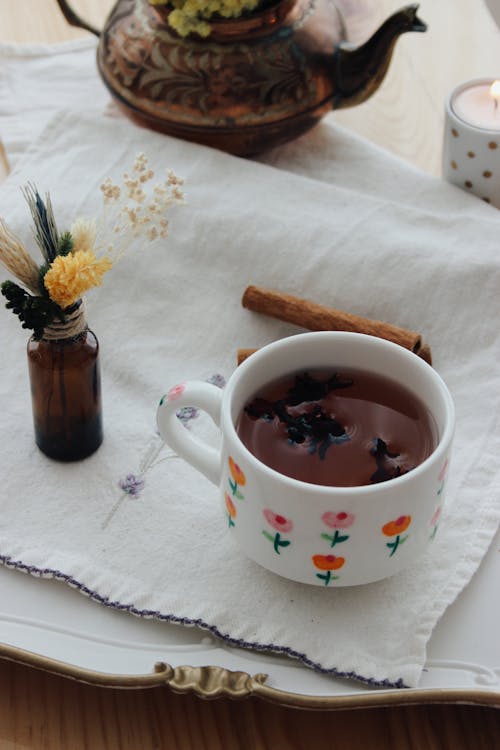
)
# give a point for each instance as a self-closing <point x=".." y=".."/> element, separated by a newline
<point x="76" y="260"/>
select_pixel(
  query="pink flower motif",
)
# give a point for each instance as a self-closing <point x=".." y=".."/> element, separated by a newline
<point x="340" y="520"/>
<point x="280" y="523"/>
<point x="437" y="514"/>
<point x="442" y="473"/>
<point x="176" y="392"/>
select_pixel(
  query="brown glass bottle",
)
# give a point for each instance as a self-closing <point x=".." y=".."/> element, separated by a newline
<point x="66" y="394"/>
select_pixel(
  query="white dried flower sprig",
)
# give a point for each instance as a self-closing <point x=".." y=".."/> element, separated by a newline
<point x="138" y="207"/>
<point x="83" y="234"/>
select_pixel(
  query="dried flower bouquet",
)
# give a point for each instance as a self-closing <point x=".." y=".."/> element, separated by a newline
<point x="63" y="353"/>
<point x="75" y="261"/>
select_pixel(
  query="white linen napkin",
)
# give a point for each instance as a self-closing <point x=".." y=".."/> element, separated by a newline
<point x="347" y="226"/>
<point x="37" y="80"/>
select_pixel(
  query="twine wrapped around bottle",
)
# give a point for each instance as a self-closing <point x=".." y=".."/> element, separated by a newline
<point x="74" y="323"/>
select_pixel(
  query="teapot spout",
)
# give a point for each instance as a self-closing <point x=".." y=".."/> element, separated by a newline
<point x="359" y="71"/>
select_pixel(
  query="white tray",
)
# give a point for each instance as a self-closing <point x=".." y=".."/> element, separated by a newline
<point x="46" y="624"/>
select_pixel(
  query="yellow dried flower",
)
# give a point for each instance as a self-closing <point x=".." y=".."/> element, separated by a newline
<point x="192" y="15"/>
<point x="184" y="24"/>
<point x="70" y="276"/>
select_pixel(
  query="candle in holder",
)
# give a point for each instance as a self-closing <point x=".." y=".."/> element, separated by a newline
<point x="471" y="152"/>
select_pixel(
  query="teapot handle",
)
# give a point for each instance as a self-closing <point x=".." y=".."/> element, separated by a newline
<point x="74" y="20"/>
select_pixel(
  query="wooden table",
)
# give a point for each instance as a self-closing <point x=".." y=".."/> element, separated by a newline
<point x="40" y="710"/>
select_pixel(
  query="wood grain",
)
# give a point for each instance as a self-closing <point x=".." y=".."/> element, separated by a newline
<point x="39" y="710"/>
<point x="42" y="21"/>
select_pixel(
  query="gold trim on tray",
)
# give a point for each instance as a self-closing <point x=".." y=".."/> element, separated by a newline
<point x="210" y="682"/>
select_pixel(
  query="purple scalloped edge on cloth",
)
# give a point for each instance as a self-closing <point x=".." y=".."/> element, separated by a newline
<point x="152" y="614"/>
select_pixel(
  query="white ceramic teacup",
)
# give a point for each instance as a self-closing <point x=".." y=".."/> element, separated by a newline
<point x="325" y="536"/>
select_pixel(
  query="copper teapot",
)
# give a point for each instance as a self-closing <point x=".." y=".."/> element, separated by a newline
<point x="257" y="81"/>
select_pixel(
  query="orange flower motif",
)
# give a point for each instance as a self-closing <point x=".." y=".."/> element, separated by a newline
<point x="396" y="527"/>
<point x="236" y="473"/>
<point x="328" y="562"/>
<point x="231" y="508"/>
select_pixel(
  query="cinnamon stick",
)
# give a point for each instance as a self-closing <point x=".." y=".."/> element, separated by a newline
<point x="425" y="353"/>
<point x="243" y="354"/>
<point x="317" y="317"/>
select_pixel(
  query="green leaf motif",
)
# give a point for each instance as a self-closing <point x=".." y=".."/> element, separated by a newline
<point x="327" y="577"/>
<point x="338" y="538"/>
<point x="276" y="540"/>
<point x="324" y="577"/>
<point x="277" y="543"/>
<point x="395" y="544"/>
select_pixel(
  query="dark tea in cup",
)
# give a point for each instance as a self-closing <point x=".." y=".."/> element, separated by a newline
<point x="343" y="428"/>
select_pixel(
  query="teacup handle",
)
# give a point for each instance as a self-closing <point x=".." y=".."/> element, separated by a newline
<point x="203" y="396"/>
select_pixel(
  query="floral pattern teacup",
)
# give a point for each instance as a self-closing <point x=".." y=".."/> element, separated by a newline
<point x="324" y="536"/>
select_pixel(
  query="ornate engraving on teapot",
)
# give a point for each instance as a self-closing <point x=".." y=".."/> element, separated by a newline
<point x="204" y="83"/>
<point x="256" y="81"/>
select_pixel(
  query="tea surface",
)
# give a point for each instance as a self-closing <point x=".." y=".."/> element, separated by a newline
<point x="341" y="429"/>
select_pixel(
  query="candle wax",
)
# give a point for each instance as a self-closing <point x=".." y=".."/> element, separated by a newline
<point x="476" y="106"/>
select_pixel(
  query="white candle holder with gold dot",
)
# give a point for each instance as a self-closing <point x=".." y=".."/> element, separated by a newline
<point x="471" y="151"/>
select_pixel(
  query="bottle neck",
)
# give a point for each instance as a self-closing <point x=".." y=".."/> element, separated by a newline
<point x="73" y="325"/>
